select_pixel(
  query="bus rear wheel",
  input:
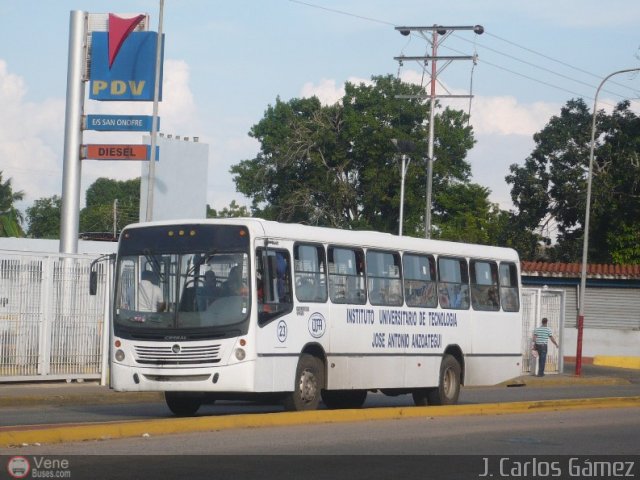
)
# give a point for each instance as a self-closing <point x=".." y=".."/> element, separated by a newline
<point x="309" y="382"/>
<point x="183" y="404"/>
<point x="448" y="385"/>
<point x="335" y="399"/>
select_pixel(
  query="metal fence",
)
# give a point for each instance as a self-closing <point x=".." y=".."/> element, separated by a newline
<point x="50" y="327"/>
<point x="538" y="303"/>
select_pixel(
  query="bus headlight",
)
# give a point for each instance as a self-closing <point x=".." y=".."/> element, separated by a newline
<point x="240" y="354"/>
<point x="119" y="355"/>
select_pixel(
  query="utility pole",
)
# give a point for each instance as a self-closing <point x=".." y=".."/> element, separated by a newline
<point x="434" y="41"/>
<point x="154" y="125"/>
<point x="404" y="147"/>
<point x="115" y="218"/>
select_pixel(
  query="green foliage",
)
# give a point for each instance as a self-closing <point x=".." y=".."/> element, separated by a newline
<point x="625" y="245"/>
<point x="43" y="218"/>
<point x="550" y="188"/>
<point x="97" y="216"/>
<point x="336" y="165"/>
<point x="232" y="211"/>
<point x="10" y="217"/>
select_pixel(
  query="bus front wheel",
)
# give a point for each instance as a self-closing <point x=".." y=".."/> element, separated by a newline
<point x="309" y="382"/>
<point x="183" y="404"/>
<point x="448" y="388"/>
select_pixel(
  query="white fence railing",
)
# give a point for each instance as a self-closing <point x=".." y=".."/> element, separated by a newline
<point x="50" y="327"/>
<point x="538" y="303"/>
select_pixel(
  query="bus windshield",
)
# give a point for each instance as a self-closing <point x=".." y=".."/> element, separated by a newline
<point x="190" y="282"/>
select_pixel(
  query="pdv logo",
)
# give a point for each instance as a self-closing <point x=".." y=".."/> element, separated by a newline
<point x="123" y="61"/>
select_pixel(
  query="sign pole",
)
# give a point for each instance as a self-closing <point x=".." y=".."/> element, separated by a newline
<point x="154" y="127"/>
<point x="70" y="212"/>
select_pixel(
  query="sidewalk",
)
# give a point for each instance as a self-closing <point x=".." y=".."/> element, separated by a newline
<point x="63" y="393"/>
<point x="589" y="375"/>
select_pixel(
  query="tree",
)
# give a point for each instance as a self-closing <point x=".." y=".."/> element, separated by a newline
<point x="336" y="165"/>
<point x="10" y="217"/>
<point x="97" y="216"/>
<point x="43" y="218"/>
<point x="232" y="211"/>
<point x="550" y="188"/>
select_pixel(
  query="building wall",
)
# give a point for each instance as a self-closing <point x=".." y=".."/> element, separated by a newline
<point x="601" y="341"/>
<point x="180" y="180"/>
<point x="612" y="317"/>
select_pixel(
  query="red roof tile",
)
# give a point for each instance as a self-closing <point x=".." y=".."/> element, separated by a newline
<point x="575" y="269"/>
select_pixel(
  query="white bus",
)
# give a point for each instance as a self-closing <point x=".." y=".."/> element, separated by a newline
<point x="248" y="308"/>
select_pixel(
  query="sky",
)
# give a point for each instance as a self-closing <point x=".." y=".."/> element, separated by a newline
<point x="227" y="61"/>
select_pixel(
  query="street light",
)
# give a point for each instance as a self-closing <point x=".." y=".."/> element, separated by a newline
<point x="585" y="242"/>
<point x="404" y="147"/>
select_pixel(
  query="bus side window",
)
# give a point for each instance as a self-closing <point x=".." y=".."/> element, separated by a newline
<point x="383" y="278"/>
<point x="453" y="283"/>
<point x="419" y="273"/>
<point x="346" y="275"/>
<point x="509" y="287"/>
<point x="309" y="273"/>
<point x="273" y="289"/>
<point x="484" y="285"/>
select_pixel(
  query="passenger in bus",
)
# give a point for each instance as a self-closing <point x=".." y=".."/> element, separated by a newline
<point x="443" y="297"/>
<point x="211" y="289"/>
<point x="456" y="298"/>
<point x="234" y="285"/>
<point x="492" y="298"/>
<point x="428" y="293"/>
<point x="149" y="293"/>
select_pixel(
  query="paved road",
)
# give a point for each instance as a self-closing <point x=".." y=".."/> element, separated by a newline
<point x="585" y="432"/>
<point x="51" y="403"/>
<point x="400" y="448"/>
<point x="80" y="412"/>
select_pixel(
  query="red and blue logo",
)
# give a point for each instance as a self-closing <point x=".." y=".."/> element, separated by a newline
<point x="123" y="62"/>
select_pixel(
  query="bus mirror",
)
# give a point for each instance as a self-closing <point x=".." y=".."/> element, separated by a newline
<point x="93" y="282"/>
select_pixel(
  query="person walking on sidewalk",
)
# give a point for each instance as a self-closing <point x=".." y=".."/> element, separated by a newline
<point x="541" y="336"/>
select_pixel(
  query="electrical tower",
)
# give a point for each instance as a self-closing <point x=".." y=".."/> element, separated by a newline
<point x="439" y="33"/>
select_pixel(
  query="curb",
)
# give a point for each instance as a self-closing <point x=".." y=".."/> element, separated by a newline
<point x="111" y="430"/>
<point x="618" y="362"/>
<point x="553" y="380"/>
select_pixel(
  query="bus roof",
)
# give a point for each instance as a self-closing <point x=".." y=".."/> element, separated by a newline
<point x="364" y="238"/>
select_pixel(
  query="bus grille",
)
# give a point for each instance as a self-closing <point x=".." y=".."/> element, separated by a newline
<point x="187" y="355"/>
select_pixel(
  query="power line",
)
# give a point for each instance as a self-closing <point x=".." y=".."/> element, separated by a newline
<point x="361" y="17"/>
<point x="545" y="69"/>
<point x="341" y="12"/>
<point x="534" y="79"/>
<point x="599" y="77"/>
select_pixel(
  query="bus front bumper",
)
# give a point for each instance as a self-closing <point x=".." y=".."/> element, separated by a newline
<point x="229" y="378"/>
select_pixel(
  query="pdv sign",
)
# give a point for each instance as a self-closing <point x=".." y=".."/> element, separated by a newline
<point x="125" y="71"/>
